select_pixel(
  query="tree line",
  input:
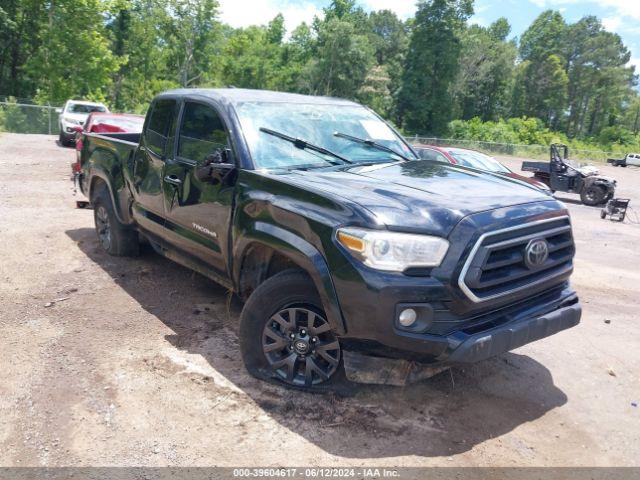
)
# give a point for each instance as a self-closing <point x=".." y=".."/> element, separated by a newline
<point x="420" y="73"/>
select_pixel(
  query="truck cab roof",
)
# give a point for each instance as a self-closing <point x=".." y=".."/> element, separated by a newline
<point x="241" y="95"/>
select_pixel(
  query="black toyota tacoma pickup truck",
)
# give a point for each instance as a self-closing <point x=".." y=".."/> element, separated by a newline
<point x="339" y="239"/>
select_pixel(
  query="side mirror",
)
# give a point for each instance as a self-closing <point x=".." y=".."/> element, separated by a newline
<point x="58" y="110"/>
<point x="216" y="165"/>
<point x="220" y="158"/>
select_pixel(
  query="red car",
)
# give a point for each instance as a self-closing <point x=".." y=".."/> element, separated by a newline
<point x="99" y="122"/>
<point x="473" y="159"/>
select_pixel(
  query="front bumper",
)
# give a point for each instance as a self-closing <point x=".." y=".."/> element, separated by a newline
<point x="69" y="136"/>
<point x="68" y="130"/>
<point x="513" y="335"/>
<point x="480" y="337"/>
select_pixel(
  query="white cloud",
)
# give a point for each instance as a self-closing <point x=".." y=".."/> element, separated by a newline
<point x="242" y="13"/>
<point x="611" y="23"/>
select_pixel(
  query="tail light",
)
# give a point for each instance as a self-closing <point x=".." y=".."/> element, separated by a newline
<point x="76" y="167"/>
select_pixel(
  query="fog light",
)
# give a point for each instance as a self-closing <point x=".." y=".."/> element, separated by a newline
<point x="407" y="317"/>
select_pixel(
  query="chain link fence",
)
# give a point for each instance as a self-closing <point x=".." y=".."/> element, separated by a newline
<point x="19" y="117"/>
<point x="525" y="151"/>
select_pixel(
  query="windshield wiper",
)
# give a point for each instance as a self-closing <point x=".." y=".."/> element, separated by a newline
<point x="304" y="145"/>
<point x="371" y="143"/>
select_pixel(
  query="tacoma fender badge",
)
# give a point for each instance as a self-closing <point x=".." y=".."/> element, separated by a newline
<point x="204" y="230"/>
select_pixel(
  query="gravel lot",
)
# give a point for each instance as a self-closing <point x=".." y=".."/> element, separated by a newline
<point x="112" y="361"/>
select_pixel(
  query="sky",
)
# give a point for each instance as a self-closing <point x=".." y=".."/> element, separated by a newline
<point x="620" y="16"/>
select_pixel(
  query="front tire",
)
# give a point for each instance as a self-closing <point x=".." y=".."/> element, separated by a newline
<point x="593" y="195"/>
<point x="114" y="237"/>
<point x="285" y="336"/>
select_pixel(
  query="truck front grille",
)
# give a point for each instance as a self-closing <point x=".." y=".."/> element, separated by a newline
<point x="511" y="260"/>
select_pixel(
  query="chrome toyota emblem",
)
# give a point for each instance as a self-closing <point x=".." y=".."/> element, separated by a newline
<point x="536" y="253"/>
<point x="301" y="346"/>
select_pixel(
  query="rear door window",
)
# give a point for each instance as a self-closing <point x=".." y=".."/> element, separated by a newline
<point x="159" y="132"/>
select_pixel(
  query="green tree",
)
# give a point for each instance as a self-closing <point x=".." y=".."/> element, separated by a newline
<point x="342" y="60"/>
<point x="547" y="35"/>
<point x="20" y="38"/>
<point x="256" y="57"/>
<point x="599" y="80"/>
<point x="375" y="91"/>
<point x="500" y="29"/>
<point x="541" y="90"/>
<point x="485" y="73"/>
<point x="137" y="31"/>
<point x="193" y="40"/>
<point x="296" y="54"/>
<point x="389" y="37"/>
<point x="431" y="65"/>
<point x="84" y="42"/>
<point x="276" y="30"/>
<point x="540" y="86"/>
<point x="346" y="10"/>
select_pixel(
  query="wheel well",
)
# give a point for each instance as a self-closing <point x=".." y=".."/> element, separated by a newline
<point x="96" y="183"/>
<point x="260" y="263"/>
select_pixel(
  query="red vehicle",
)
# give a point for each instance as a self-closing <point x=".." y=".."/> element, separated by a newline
<point x="99" y="122"/>
<point x="103" y="122"/>
<point x="473" y="159"/>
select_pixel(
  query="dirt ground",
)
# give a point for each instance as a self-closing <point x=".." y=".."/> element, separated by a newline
<point x="112" y="361"/>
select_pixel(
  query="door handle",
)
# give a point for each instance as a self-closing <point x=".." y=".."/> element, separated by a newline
<point x="173" y="180"/>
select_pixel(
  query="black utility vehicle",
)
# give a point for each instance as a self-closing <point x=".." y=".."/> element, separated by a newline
<point x="560" y="176"/>
<point x="341" y="241"/>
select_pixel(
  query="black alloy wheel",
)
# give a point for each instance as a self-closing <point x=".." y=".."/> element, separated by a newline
<point x="300" y="346"/>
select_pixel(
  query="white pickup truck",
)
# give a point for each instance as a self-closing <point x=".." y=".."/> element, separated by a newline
<point x="629" y="159"/>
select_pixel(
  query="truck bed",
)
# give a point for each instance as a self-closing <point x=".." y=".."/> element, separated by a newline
<point x="122" y="137"/>
<point x="112" y="153"/>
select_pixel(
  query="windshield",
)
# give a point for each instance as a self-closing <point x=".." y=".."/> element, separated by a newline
<point x="316" y="124"/>
<point x="469" y="158"/>
<point x="84" y="108"/>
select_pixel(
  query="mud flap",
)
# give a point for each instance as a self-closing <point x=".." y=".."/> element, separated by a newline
<point x="361" y="368"/>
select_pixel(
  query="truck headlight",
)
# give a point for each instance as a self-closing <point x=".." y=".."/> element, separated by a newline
<point x="392" y="251"/>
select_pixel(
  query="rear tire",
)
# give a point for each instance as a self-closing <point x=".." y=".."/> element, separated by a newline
<point x="285" y="336"/>
<point x="114" y="237"/>
<point x="593" y="195"/>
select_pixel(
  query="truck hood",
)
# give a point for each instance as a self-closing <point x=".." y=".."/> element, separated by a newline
<point x="419" y="196"/>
